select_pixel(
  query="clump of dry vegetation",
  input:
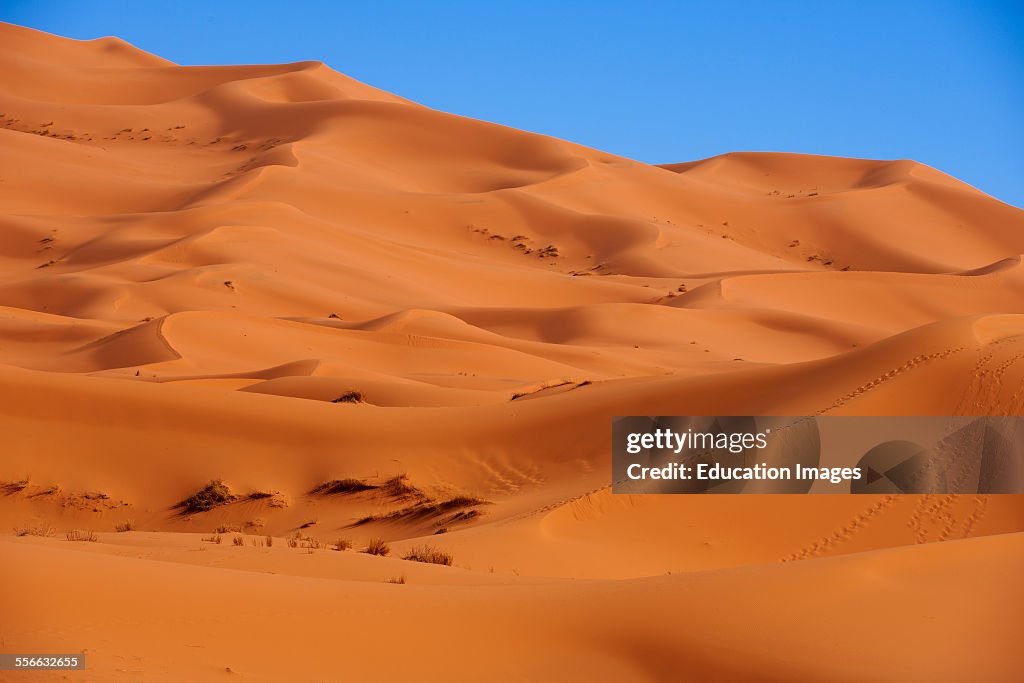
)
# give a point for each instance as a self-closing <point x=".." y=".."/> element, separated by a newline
<point x="378" y="547"/>
<point x="425" y="508"/>
<point x="275" y="499"/>
<point x="76" y="535"/>
<point x="429" y="554"/>
<point x="126" y="525"/>
<point x="225" y="529"/>
<point x="12" y="487"/>
<point x="342" y="544"/>
<point x="44" y="531"/>
<point x="238" y="540"/>
<point x="214" y="494"/>
<point x="297" y="540"/>
<point x="350" y="397"/>
<point x="464" y="515"/>
<point x="348" y="485"/>
<point x="459" y="502"/>
<point x="396" y="579"/>
<point x="398" y="486"/>
<point x="216" y="538"/>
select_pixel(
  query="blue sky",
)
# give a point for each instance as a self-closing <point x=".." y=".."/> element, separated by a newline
<point x="939" y="82"/>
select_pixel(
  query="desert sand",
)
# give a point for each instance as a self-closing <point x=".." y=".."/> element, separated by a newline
<point x="370" y="320"/>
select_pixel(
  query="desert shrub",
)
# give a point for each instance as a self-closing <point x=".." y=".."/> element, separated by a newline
<point x="238" y="539"/>
<point x="342" y="544"/>
<point x="428" y="508"/>
<point x="213" y="494"/>
<point x="44" y="531"/>
<point x="350" y="397"/>
<point x="399" y="487"/>
<point x="460" y="502"/>
<point x="297" y="540"/>
<point x="347" y="485"/>
<point x="396" y="579"/>
<point x="76" y="535"/>
<point x="377" y="546"/>
<point x="430" y="555"/>
<point x="126" y="525"/>
<point x="12" y="487"/>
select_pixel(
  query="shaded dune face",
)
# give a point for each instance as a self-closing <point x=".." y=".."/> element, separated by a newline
<point x="281" y="278"/>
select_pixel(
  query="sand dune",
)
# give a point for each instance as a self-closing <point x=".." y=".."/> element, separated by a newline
<point x="278" y="277"/>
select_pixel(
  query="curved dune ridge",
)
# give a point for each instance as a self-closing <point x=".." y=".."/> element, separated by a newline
<point x="368" y="319"/>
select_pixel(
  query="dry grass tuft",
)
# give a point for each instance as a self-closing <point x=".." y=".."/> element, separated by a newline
<point x="238" y="540"/>
<point x="44" y="531"/>
<point x="76" y="535"/>
<point x="399" y="487"/>
<point x="465" y="515"/>
<point x="377" y="546"/>
<point x="430" y="555"/>
<point x="342" y="544"/>
<point x="297" y="540"/>
<point x="12" y="487"/>
<point x="396" y="579"/>
<point x="425" y="508"/>
<point x="459" y="502"/>
<point x="216" y="538"/>
<point x="126" y="525"/>
<point x="350" y="397"/>
<point x="347" y="485"/>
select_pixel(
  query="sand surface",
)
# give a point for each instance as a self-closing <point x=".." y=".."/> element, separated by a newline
<point x="277" y="277"/>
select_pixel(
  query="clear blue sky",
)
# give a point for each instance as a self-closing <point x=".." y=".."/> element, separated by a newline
<point x="939" y="82"/>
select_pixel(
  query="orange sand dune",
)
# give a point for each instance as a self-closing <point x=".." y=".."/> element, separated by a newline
<point x="280" y="278"/>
